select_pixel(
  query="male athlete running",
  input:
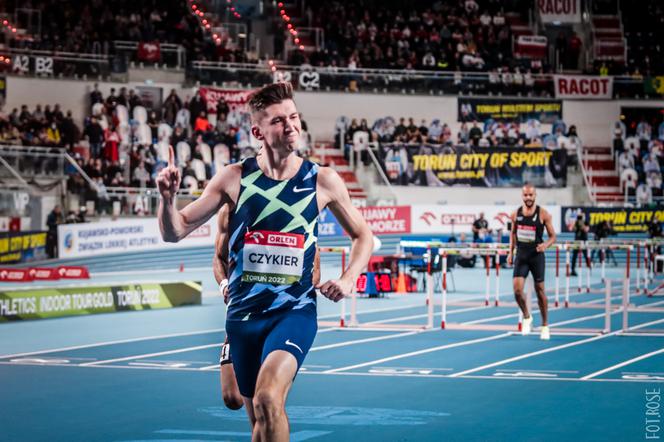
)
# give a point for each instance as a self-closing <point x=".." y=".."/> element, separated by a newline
<point x="229" y="389"/>
<point x="274" y="200"/>
<point x="528" y="224"/>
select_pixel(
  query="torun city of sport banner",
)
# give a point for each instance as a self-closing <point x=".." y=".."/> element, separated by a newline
<point x="623" y="220"/>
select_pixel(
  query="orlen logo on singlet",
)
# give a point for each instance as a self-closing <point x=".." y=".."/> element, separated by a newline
<point x="281" y="240"/>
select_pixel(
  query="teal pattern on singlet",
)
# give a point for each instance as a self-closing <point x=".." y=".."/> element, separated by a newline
<point x="265" y="204"/>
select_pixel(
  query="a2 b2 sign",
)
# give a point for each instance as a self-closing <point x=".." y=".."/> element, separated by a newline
<point x="40" y="65"/>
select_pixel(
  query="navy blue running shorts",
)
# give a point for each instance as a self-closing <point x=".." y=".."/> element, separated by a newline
<point x="253" y="340"/>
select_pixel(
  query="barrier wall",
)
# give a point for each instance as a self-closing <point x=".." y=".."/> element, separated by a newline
<point x="92" y="239"/>
<point x="56" y="302"/>
<point x="78" y="240"/>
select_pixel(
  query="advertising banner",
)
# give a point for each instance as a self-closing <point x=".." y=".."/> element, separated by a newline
<point x="16" y="247"/>
<point x="387" y="220"/>
<point x="588" y="87"/>
<point x="16" y="305"/>
<point x="623" y="220"/>
<point x="75" y="240"/>
<point x="560" y="11"/>
<point x="437" y="219"/>
<point x="509" y="109"/>
<point x="438" y="166"/>
<point x="236" y="99"/>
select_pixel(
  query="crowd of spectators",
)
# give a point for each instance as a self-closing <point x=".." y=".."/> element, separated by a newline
<point x="466" y="35"/>
<point x="48" y="126"/>
<point x="639" y="156"/>
<point x="92" y="27"/>
<point x="129" y="145"/>
<point x="490" y="133"/>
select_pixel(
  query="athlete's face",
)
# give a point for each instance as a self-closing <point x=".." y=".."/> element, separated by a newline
<point x="528" y="195"/>
<point x="279" y="126"/>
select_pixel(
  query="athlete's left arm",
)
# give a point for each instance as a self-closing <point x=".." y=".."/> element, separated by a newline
<point x="331" y="192"/>
<point x="548" y="223"/>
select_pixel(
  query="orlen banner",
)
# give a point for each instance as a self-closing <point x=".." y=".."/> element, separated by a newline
<point x="591" y="87"/>
<point x="563" y="11"/>
<point x="75" y="240"/>
<point x="434" y="219"/>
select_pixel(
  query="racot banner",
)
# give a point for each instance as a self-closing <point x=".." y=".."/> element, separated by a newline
<point x="588" y="87"/>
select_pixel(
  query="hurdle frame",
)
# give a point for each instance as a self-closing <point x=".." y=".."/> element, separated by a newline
<point x="607" y="306"/>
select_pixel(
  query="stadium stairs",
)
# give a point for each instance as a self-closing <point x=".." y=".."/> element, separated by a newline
<point x="327" y="155"/>
<point x="609" y="37"/>
<point x="603" y="177"/>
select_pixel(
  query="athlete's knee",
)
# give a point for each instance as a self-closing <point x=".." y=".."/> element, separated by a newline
<point x="268" y="405"/>
<point x="518" y="292"/>
<point x="232" y="400"/>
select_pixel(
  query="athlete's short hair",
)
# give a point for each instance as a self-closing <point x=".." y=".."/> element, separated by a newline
<point x="269" y="95"/>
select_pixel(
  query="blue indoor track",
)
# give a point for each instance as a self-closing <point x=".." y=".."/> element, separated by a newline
<point x="153" y="375"/>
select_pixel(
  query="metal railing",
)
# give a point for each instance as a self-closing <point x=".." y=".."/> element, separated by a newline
<point x="58" y="64"/>
<point x="379" y="169"/>
<point x="586" y="174"/>
<point x="172" y="55"/>
<point x="388" y="80"/>
<point x="25" y="163"/>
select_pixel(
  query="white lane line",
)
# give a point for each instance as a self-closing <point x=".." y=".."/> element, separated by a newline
<point x="622" y="364"/>
<point x="538" y="370"/>
<point x="351" y="373"/>
<point x="549" y="350"/>
<point x="120" y="341"/>
<point x="493" y="378"/>
<point x="201" y="347"/>
<point x="174" y="335"/>
<point x="150" y="355"/>
<point x="418" y="352"/>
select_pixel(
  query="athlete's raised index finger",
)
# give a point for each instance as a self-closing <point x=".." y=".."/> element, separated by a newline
<point x="171" y="156"/>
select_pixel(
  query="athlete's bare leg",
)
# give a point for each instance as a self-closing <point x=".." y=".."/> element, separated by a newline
<point x="229" y="389"/>
<point x="542" y="302"/>
<point x="518" y="283"/>
<point x="268" y="407"/>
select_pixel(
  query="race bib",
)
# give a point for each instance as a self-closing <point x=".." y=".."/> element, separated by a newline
<point x="525" y="233"/>
<point x="272" y="257"/>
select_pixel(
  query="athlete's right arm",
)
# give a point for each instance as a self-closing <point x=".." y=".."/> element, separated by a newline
<point x="510" y="255"/>
<point x="174" y="224"/>
<point x="220" y="257"/>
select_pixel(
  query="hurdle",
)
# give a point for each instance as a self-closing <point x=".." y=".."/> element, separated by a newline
<point x="582" y="245"/>
<point x="444" y="324"/>
<point x="354" y="324"/>
<point x="640" y="329"/>
<point x="343" y="252"/>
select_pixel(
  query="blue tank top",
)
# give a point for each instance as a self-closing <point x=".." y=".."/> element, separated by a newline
<point x="274" y="230"/>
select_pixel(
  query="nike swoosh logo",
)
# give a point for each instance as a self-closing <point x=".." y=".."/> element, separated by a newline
<point x="292" y="344"/>
<point x="304" y="189"/>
